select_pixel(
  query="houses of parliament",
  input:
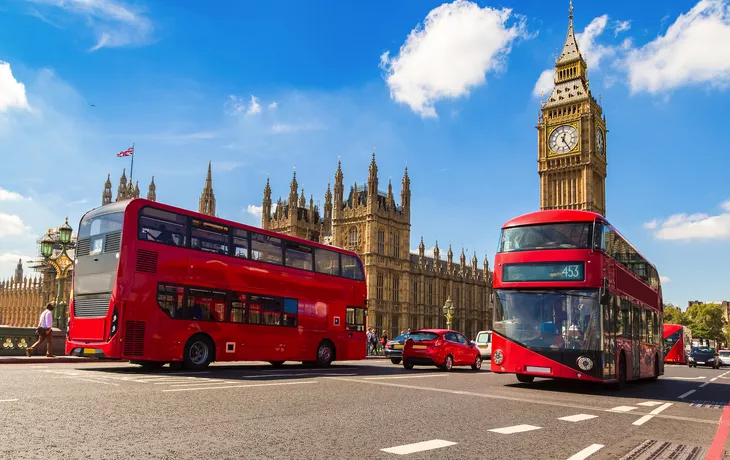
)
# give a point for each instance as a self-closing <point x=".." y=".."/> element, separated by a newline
<point x="408" y="290"/>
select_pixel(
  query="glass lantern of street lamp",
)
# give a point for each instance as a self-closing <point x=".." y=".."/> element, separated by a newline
<point x="448" y="307"/>
<point x="47" y="245"/>
<point x="64" y="233"/>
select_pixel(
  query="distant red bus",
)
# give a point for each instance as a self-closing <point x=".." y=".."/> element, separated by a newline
<point x="156" y="284"/>
<point x="677" y="343"/>
<point x="574" y="300"/>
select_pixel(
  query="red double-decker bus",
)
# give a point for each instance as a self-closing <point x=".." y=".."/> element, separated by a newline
<point x="156" y="284"/>
<point x="677" y="343"/>
<point x="574" y="300"/>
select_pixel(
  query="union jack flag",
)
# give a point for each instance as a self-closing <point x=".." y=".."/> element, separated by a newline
<point x="126" y="153"/>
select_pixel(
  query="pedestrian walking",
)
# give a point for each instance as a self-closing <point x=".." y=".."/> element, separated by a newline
<point x="45" y="332"/>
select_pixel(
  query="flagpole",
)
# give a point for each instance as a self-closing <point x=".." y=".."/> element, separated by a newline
<point x="131" y="169"/>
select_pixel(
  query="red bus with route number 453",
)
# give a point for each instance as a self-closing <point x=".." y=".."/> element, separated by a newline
<point x="574" y="300"/>
<point x="156" y="284"/>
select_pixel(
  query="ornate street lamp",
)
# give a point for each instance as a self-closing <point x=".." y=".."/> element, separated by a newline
<point x="62" y="263"/>
<point x="449" y="312"/>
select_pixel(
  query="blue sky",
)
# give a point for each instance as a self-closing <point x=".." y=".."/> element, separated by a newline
<point x="452" y="90"/>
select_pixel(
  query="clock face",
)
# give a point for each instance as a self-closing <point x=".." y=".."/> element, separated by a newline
<point x="600" y="145"/>
<point x="563" y="139"/>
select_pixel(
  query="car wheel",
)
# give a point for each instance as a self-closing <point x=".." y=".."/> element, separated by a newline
<point x="477" y="363"/>
<point x="395" y="360"/>
<point x="407" y="365"/>
<point x="448" y="363"/>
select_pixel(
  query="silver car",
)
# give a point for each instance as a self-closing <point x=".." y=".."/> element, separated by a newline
<point x="724" y="357"/>
<point x="484" y="344"/>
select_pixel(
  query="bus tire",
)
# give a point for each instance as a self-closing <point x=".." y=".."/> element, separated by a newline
<point x="395" y="360"/>
<point x="325" y="353"/>
<point x="199" y="352"/>
<point x="523" y="378"/>
<point x="277" y="363"/>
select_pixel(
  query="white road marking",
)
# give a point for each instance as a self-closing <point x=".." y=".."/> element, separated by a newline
<point x="89" y="380"/>
<point x="686" y="394"/>
<point x="515" y="429"/>
<point x="712" y="380"/>
<point x="406" y="377"/>
<point x="651" y="415"/>
<point x="578" y="417"/>
<point x="649" y="403"/>
<point x="587" y="452"/>
<point x="223" y="382"/>
<point x="239" y="386"/>
<point x="8" y="400"/>
<point x="685" y="378"/>
<point x="623" y="409"/>
<point x="418" y="447"/>
<point x="704" y="384"/>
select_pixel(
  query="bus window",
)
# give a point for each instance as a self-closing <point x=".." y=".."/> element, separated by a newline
<point x="209" y="237"/>
<point x="291" y="308"/>
<point x="240" y="243"/>
<point x="352" y="268"/>
<point x="206" y="305"/>
<point x="265" y="248"/>
<point x="355" y="319"/>
<point x="162" y="226"/>
<point x="298" y="256"/>
<point x="238" y="307"/>
<point x="170" y="299"/>
<point x="327" y="261"/>
<point x="264" y="310"/>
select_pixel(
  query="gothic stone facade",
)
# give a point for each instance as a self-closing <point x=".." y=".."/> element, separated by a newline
<point x="572" y="138"/>
<point x="404" y="290"/>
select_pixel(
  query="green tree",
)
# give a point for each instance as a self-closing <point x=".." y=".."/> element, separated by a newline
<point x="673" y="315"/>
<point x="706" y="321"/>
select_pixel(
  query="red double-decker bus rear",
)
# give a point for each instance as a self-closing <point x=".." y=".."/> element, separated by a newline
<point x="574" y="300"/>
<point x="677" y="343"/>
<point x="155" y="284"/>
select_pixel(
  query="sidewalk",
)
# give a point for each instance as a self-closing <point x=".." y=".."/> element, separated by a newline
<point x="44" y="360"/>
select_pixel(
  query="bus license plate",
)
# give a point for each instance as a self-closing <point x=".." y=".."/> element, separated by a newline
<point x="89" y="351"/>
<point x="397" y="346"/>
<point x="419" y="347"/>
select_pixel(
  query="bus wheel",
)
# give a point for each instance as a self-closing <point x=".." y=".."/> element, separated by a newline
<point x="277" y="363"/>
<point x="325" y="354"/>
<point x="198" y="353"/>
<point x="522" y="378"/>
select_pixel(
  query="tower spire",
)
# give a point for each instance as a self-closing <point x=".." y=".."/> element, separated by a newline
<point x="570" y="48"/>
<point x="152" y="191"/>
<point x="207" y="198"/>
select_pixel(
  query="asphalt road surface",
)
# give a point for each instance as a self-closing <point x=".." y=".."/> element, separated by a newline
<point x="367" y="409"/>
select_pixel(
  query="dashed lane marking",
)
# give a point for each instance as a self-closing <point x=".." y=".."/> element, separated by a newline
<point x="686" y="378"/>
<point x="651" y="415"/>
<point x="704" y="384"/>
<point x="418" y="447"/>
<point x="686" y="394"/>
<point x="623" y="409"/>
<point x="239" y="386"/>
<point x="406" y="377"/>
<point x="587" y="452"/>
<point x="8" y="400"/>
<point x="515" y="429"/>
<point x="101" y="382"/>
<point x="649" y="403"/>
<point x="578" y="417"/>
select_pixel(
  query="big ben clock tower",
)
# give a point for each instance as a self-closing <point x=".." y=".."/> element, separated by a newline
<point x="572" y="138"/>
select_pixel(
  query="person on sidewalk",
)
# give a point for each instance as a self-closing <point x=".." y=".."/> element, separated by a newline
<point x="45" y="332"/>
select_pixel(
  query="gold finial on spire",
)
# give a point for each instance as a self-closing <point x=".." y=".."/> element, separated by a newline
<point x="570" y="9"/>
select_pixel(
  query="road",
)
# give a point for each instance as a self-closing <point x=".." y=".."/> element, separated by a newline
<point x="369" y="409"/>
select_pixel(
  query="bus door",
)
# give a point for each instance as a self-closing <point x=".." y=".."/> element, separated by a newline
<point x="635" y="342"/>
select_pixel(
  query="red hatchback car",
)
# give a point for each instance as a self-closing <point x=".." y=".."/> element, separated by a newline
<point x="442" y="348"/>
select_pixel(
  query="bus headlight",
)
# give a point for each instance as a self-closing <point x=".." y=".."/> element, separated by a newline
<point x="498" y="357"/>
<point x="585" y="363"/>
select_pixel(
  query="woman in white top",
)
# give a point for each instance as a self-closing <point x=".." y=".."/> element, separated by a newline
<point x="45" y="332"/>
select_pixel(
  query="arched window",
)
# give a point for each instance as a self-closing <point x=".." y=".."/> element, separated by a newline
<point x="353" y="238"/>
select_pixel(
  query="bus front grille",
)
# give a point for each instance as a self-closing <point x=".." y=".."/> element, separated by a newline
<point x="134" y="338"/>
<point x="83" y="247"/>
<point x="91" y="306"/>
<point x="112" y="242"/>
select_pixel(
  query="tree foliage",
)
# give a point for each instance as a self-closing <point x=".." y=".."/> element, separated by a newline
<point x="673" y="315"/>
<point x="706" y="321"/>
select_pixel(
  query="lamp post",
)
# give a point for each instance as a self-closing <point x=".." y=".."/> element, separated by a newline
<point x="449" y="312"/>
<point x="61" y="262"/>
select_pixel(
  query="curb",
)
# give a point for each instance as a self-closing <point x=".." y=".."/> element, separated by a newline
<point x="44" y="360"/>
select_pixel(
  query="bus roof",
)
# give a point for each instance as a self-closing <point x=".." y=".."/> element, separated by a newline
<point x="551" y="216"/>
<point x="141" y="202"/>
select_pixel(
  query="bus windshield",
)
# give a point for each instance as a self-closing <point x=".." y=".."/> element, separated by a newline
<point x="551" y="320"/>
<point x="574" y="235"/>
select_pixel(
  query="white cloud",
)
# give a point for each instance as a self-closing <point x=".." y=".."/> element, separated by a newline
<point x="234" y="105"/>
<point x="9" y="261"/>
<point x="273" y="105"/>
<point x="544" y="84"/>
<point x="651" y="225"/>
<point x="7" y="195"/>
<point x="280" y="128"/>
<point x="255" y="107"/>
<point x="254" y="210"/>
<point x="114" y="23"/>
<point x="695" y="226"/>
<point x="12" y="225"/>
<point x="12" y="92"/>
<point x="665" y="279"/>
<point x="457" y="46"/>
<point x="621" y="26"/>
<point x="694" y="50"/>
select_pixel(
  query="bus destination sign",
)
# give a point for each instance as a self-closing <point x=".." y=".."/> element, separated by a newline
<point x="550" y="271"/>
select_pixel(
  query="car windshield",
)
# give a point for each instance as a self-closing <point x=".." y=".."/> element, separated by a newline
<point x="483" y="338"/>
<point x="423" y="336"/>
<point x="546" y="236"/>
<point x="401" y="338"/>
<point x="555" y="319"/>
<point x="725" y="353"/>
<point x="702" y="350"/>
